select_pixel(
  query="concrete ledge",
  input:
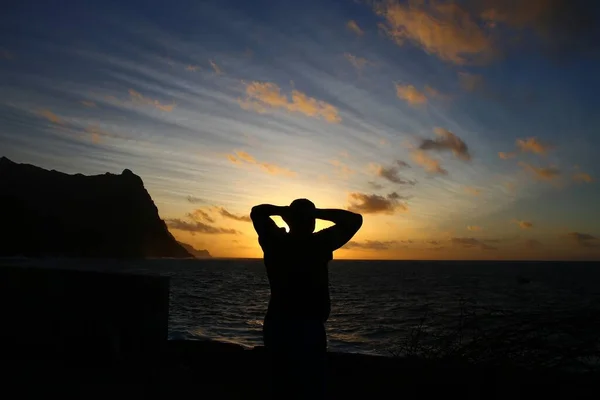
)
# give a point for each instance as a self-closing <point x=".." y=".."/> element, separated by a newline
<point x="89" y="315"/>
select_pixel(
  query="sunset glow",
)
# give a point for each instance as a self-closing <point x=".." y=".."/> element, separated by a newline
<point x="425" y="117"/>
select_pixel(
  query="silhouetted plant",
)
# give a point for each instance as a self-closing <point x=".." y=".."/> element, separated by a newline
<point x="485" y="336"/>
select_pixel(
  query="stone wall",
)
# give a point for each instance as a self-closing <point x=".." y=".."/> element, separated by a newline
<point x="89" y="315"/>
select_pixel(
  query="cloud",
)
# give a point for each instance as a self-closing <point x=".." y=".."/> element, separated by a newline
<point x="443" y="29"/>
<point x="226" y="214"/>
<point x="192" y="68"/>
<point x="353" y="26"/>
<point x="216" y="68"/>
<point x="470" y="82"/>
<point x="533" y="244"/>
<point x="97" y="134"/>
<point x="560" y="26"/>
<point x="88" y="103"/>
<point x="262" y="96"/>
<point x="467" y="242"/>
<point x="138" y="98"/>
<point x="428" y="163"/>
<point x="447" y="141"/>
<point x="533" y="145"/>
<point x="472" y="190"/>
<point x="6" y="55"/>
<point x="582" y="177"/>
<point x="200" y="215"/>
<point x="370" y="244"/>
<point x="376" y="204"/>
<point x="198" y="227"/>
<point x="391" y="173"/>
<point x="241" y="157"/>
<point x="465" y="32"/>
<point x="194" y="199"/>
<point x="584" y="239"/>
<point x="506" y="156"/>
<point x="510" y="187"/>
<point x="474" y="228"/>
<point x="357" y="62"/>
<point x="542" y="173"/>
<point x="375" y="185"/>
<point x="50" y="116"/>
<point x="342" y="169"/>
<point x="410" y="94"/>
<point x="523" y="224"/>
<point x="434" y="93"/>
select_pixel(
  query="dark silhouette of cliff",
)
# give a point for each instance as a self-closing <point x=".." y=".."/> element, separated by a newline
<point x="50" y="213"/>
<point x="194" y="251"/>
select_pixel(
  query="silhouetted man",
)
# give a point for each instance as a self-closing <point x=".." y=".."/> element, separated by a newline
<point x="296" y="263"/>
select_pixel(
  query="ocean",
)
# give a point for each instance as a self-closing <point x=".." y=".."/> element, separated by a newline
<point x="377" y="306"/>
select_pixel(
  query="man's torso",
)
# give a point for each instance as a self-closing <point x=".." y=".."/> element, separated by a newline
<point x="298" y="276"/>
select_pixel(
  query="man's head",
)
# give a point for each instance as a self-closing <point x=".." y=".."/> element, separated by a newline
<point x="301" y="217"/>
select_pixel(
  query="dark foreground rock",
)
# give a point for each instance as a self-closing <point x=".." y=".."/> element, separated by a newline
<point x="209" y="370"/>
<point x="50" y="213"/>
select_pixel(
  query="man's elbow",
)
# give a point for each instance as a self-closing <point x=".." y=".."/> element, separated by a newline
<point x="255" y="212"/>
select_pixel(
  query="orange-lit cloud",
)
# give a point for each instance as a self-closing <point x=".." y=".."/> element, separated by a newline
<point x="523" y="224"/>
<point x="511" y="187"/>
<point x="410" y="94"/>
<point x="472" y="190"/>
<point x="376" y="204"/>
<point x="357" y="62"/>
<point x="97" y="134"/>
<point x="468" y="243"/>
<point x="192" y="68"/>
<point x="226" y="214"/>
<point x="428" y="163"/>
<point x="391" y="173"/>
<point x="241" y="157"/>
<point x="470" y="82"/>
<point x="447" y="141"/>
<point x="542" y="173"/>
<point x="474" y="228"/>
<point x="506" y="156"/>
<point x="353" y="26"/>
<point x="533" y="145"/>
<point x="582" y="177"/>
<point x="262" y="96"/>
<point x="216" y="68"/>
<point x="194" y="227"/>
<point x="88" y="103"/>
<point x="443" y="29"/>
<point x="433" y="93"/>
<point x="138" y="98"/>
<point x="341" y="169"/>
<point x="200" y="215"/>
<point x="50" y="116"/>
<point x="584" y="239"/>
<point x="371" y="244"/>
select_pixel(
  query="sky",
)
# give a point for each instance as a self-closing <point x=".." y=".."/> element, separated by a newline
<point x="459" y="129"/>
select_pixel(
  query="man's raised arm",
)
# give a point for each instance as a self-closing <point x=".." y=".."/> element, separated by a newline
<point x="261" y="218"/>
<point x="346" y="225"/>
